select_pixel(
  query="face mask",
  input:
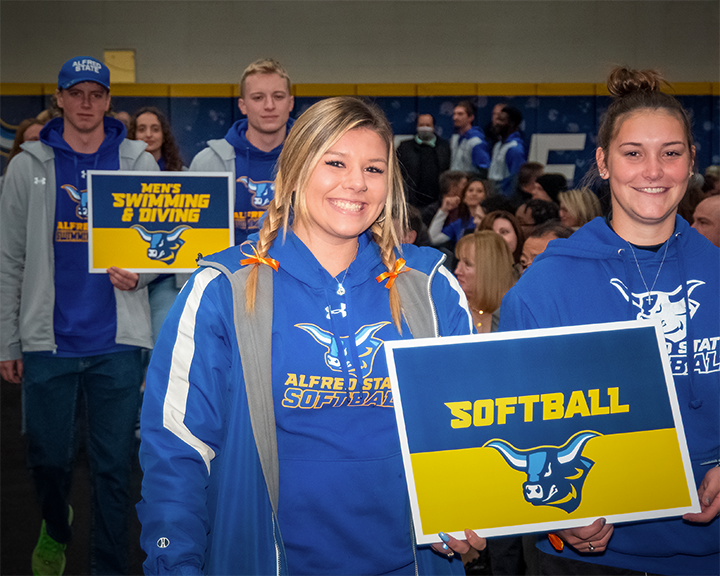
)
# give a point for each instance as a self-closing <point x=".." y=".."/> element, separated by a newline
<point x="425" y="133"/>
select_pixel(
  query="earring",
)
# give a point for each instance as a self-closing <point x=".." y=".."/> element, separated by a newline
<point x="603" y="174"/>
<point x="381" y="218"/>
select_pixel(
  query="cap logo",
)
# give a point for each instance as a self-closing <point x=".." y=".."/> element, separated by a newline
<point x="88" y="65"/>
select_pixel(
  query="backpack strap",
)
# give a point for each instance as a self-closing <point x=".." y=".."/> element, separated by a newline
<point x="254" y="336"/>
<point x="417" y="305"/>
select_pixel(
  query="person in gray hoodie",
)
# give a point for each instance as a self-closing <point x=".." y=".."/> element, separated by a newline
<point x="64" y="331"/>
<point x="251" y="147"/>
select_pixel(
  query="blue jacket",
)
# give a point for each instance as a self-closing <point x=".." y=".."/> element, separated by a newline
<point x="507" y="157"/>
<point x="593" y="277"/>
<point x="206" y="506"/>
<point x="470" y="151"/>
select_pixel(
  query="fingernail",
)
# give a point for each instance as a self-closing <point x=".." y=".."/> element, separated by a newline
<point x="445" y="546"/>
<point x="444" y="537"/>
<point x="603" y="521"/>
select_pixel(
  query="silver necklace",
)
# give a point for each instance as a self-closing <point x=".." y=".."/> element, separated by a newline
<point x="640" y="271"/>
<point x="341" y="290"/>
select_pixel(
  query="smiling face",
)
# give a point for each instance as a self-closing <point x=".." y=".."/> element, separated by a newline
<point x="648" y="164"/>
<point x="506" y="230"/>
<point x="346" y="191"/>
<point x="266" y="102"/>
<point x="474" y="194"/>
<point x="84" y="106"/>
<point x="149" y="130"/>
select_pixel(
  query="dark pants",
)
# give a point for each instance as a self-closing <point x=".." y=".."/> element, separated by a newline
<point x="559" y="566"/>
<point x="110" y="385"/>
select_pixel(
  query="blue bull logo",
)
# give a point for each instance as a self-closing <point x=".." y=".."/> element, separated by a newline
<point x="365" y="342"/>
<point x="262" y="192"/>
<point x="80" y="197"/>
<point x="164" y="246"/>
<point x="555" y="474"/>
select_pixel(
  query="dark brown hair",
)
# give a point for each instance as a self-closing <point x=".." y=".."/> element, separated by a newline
<point x="20" y="137"/>
<point x="489" y="220"/>
<point x="169" y="151"/>
<point x="634" y="90"/>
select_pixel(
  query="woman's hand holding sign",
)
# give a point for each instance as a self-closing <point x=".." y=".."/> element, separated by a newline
<point x="709" y="495"/>
<point x="451" y="545"/>
<point x="591" y="539"/>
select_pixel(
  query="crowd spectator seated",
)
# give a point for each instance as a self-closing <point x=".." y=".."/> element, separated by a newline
<point x="527" y="187"/>
<point x="535" y="212"/>
<point x="578" y="207"/>
<point x="539" y="238"/>
<point x="550" y="186"/>
<point x="485" y="272"/>
<point x="706" y="219"/>
<point x="505" y="224"/>
<point x="443" y="230"/>
<point x="422" y="160"/>
<point x="452" y="183"/>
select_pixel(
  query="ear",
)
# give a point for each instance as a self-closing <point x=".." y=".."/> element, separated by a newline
<point x="241" y="105"/>
<point x="692" y="158"/>
<point x="107" y="101"/>
<point x="602" y="166"/>
<point x="58" y="97"/>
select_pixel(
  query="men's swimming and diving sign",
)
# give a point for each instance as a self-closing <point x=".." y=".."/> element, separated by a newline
<point x="157" y="221"/>
<point x="538" y="430"/>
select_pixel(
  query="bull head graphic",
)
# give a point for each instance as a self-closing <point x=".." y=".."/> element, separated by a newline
<point x="668" y="307"/>
<point x="80" y="197"/>
<point x="164" y="246"/>
<point x="555" y="474"/>
<point x="365" y="342"/>
<point x="262" y="192"/>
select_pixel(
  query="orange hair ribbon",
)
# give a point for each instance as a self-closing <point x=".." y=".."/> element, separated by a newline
<point x="256" y="259"/>
<point x="399" y="269"/>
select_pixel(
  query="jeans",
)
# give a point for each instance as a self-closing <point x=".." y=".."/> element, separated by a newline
<point x="110" y="385"/>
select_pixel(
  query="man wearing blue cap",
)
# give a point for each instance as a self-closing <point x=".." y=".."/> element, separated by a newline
<point x="65" y="332"/>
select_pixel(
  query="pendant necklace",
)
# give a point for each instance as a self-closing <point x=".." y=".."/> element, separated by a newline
<point x="640" y="271"/>
<point x="340" y="289"/>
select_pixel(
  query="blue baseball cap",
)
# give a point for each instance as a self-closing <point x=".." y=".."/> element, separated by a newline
<point x="83" y="69"/>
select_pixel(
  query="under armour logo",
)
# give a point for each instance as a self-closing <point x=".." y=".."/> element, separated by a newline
<point x="39" y="180"/>
<point x="163" y="543"/>
<point x="83" y="174"/>
<point x="328" y="311"/>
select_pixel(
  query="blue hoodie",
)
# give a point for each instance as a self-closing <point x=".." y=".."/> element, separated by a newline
<point x="593" y="277"/>
<point x="507" y="157"/>
<point x="254" y="179"/>
<point x="85" y="321"/>
<point x="470" y="151"/>
<point x="343" y="505"/>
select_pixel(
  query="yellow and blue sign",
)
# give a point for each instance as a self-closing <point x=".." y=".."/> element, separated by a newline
<point x="157" y="221"/>
<point x="540" y="430"/>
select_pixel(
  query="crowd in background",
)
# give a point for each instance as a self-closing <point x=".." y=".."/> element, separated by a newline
<point x="475" y="198"/>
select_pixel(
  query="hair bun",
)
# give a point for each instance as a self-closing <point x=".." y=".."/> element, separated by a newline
<point x="624" y="81"/>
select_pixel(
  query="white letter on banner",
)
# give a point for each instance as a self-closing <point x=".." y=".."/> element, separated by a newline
<point x="541" y="144"/>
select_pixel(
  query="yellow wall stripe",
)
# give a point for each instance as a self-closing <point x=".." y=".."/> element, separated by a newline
<point x="321" y="90"/>
<point x="325" y="89"/>
<point x="387" y="89"/>
<point x="566" y="90"/>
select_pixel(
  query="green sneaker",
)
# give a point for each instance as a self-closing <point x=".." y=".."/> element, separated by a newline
<point x="48" y="558"/>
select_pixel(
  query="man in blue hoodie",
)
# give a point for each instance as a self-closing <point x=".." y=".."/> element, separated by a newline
<point x="469" y="151"/>
<point x="251" y="147"/>
<point x="509" y="151"/>
<point x="65" y="332"/>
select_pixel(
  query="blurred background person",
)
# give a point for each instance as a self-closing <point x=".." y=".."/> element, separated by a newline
<point x="578" y="207"/>
<point x="508" y="154"/>
<point x="470" y="152"/>
<point x="527" y="186"/>
<point x="539" y="238"/>
<point x="550" y="186"/>
<point x="485" y="273"/>
<point x="422" y="160"/>
<point x="151" y="126"/>
<point x="707" y="219"/>
<point x="469" y="214"/>
<point x="452" y="183"/>
<point x="535" y="212"/>
<point x="505" y="224"/>
<point x="27" y="131"/>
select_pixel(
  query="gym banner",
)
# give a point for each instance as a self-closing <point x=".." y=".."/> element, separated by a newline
<point x="539" y="430"/>
<point x="157" y="221"/>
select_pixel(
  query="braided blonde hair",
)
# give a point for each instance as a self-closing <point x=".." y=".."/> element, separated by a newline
<point x="314" y="133"/>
